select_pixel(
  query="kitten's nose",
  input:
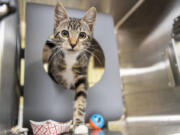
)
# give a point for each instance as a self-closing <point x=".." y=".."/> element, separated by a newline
<point x="73" y="45"/>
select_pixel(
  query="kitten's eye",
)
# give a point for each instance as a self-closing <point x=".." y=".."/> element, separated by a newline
<point x="65" y="33"/>
<point x="82" y="35"/>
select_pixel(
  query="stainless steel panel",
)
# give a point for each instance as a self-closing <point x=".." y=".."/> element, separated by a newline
<point x="152" y="128"/>
<point x="148" y="81"/>
<point x="8" y="102"/>
<point x="117" y="8"/>
<point x="173" y="51"/>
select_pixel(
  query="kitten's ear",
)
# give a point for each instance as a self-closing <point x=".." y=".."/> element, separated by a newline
<point x="90" y="17"/>
<point x="60" y="13"/>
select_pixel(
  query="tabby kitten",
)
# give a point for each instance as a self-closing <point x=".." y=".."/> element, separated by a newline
<point x="68" y="63"/>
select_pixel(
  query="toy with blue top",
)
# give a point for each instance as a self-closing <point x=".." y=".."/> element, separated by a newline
<point x="96" y="121"/>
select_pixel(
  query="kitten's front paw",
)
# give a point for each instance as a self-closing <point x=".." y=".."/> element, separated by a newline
<point x="82" y="129"/>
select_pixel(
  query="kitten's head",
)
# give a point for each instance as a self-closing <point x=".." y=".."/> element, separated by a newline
<point x="73" y="34"/>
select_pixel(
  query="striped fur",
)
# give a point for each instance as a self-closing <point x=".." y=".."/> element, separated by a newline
<point x="70" y="56"/>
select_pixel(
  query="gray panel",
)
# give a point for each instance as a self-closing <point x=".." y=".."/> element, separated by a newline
<point x="43" y="98"/>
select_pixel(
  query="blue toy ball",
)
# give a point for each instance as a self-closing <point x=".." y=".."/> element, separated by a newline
<point x="96" y="121"/>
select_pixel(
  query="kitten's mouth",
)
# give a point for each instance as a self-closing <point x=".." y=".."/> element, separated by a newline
<point x="71" y="50"/>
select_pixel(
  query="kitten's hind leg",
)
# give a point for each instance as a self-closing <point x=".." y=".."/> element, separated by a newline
<point x="80" y="109"/>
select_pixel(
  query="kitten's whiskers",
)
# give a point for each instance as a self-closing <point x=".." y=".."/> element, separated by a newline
<point x="93" y="55"/>
<point x="59" y="50"/>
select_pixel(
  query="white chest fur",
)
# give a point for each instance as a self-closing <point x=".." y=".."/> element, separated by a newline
<point x="70" y="60"/>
